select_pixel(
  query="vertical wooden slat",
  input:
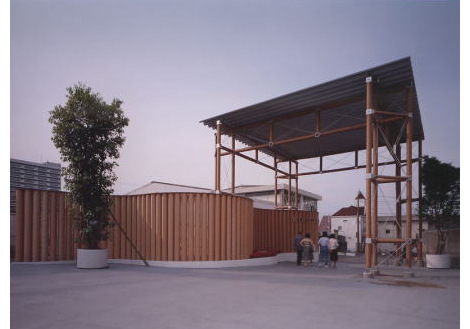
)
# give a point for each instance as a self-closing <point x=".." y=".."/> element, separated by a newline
<point x="233" y="214"/>
<point x="197" y="227"/>
<point x="140" y="243"/>
<point x="180" y="226"/>
<point x="122" y="221"/>
<point x="223" y="228"/>
<point x="45" y="196"/>
<point x="143" y="228"/>
<point x="146" y="228"/>
<point x="148" y="232"/>
<point x="171" y="223"/>
<point x="212" y="226"/>
<point x="190" y="246"/>
<point x="20" y="222"/>
<point x="228" y="228"/>
<point x="164" y="227"/>
<point x="205" y="228"/>
<point x="249" y="216"/>
<point x="239" y="232"/>
<point x="129" y="228"/>
<point x="117" y="232"/>
<point x="217" y="227"/>
<point x="61" y="224"/>
<point x="36" y="226"/>
<point x="110" y="244"/>
<point x="285" y="236"/>
<point x="158" y="227"/>
<point x="71" y="232"/>
<point x="57" y="212"/>
<point x="153" y="228"/>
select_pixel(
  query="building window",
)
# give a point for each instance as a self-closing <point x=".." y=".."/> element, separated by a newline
<point x="387" y="231"/>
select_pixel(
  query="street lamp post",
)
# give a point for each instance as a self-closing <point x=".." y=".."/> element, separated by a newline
<point x="359" y="197"/>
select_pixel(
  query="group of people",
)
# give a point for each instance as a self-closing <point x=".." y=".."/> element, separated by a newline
<point x="305" y="247"/>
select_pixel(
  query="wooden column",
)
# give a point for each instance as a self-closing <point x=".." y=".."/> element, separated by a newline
<point x="369" y="140"/>
<point x="218" y="141"/>
<point x="409" y="169"/>
<point x="289" y="192"/>
<point x="233" y="164"/>
<point x="420" y="206"/>
<point x="398" y="222"/>
<point x="275" y="182"/>
<point x="375" y="192"/>
<point x="297" y="186"/>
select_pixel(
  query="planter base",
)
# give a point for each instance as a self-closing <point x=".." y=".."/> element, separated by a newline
<point x="438" y="261"/>
<point x="92" y="258"/>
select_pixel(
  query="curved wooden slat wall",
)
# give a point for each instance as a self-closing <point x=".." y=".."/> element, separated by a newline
<point x="275" y="229"/>
<point x="164" y="227"/>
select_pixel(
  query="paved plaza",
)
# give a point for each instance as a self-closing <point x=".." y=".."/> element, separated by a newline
<point x="278" y="296"/>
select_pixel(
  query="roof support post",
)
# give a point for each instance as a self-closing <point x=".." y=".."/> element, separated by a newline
<point x="289" y="193"/>
<point x="218" y="141"/>
<point x="275" y="182"/>
<point x="409" y="169"/>
<point x="296" y="186"/>
<point x="420" y="206"/>
<point x="368" y="246"/>
<point x="398" y="221"/>
<point x="375" y="192"/>
<point x="233" y="164"/>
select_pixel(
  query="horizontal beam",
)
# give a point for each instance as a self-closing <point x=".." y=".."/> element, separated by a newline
<point x="314" y="135"/>
<point x="389" y="179"/>
<point x="397" y="114"/>
<point x="343" y="169"/>
<point x="229" y="151"/>
<point x="412" y="200"/>
<point x="391" y="240"/>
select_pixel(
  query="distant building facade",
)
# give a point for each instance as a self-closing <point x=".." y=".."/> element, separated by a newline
<point x="160" y="187"/>
<point x="32" y="175"/>
<point x="345" y="222"/>
<point x="262" y="195"/>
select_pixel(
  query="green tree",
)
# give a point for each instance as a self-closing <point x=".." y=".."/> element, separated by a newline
<point x="441" y="200"/>
<point x="89" y="133"/>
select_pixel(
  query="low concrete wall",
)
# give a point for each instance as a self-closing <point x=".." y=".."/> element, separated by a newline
<point x="452" y="245"/>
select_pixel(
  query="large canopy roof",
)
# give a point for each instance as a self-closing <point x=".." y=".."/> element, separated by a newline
<point x="334" y="106"/>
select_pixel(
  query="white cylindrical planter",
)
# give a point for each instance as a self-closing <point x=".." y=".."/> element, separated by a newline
<point x="92" y="258"/>
<point x="438" y="261"/>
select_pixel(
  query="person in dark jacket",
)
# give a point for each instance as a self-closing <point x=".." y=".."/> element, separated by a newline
<point x="298" y="247"/>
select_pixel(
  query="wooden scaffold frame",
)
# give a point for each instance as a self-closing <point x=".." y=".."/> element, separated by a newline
<point x="274" y="136"/>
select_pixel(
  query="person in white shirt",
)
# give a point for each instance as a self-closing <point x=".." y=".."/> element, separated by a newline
<point x="333" y="250"/>
<point x="324" y="244"/>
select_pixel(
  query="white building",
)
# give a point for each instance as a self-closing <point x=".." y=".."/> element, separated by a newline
<point x="345" y="222"/>
<point x="262" y="195"/>
<point x="160" y="187"/>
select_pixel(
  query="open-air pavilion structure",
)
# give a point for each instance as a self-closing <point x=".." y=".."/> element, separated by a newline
<point x="368" y="110"/>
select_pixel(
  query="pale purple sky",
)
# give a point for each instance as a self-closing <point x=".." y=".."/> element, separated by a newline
<point x="174" y="63"/>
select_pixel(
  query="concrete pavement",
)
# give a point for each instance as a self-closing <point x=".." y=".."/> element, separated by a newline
<point x="275" y="296"/>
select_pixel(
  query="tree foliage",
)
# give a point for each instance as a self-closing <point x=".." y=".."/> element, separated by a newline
<point x="89" y="133"/>
<point x="441" y="200"/>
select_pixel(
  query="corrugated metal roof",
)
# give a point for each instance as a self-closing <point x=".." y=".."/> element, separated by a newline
<point x="341" y="103"/>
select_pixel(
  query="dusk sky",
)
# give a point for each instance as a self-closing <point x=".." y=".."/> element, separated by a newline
<point x="175" y="63"/>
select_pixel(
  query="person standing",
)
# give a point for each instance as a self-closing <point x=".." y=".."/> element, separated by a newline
<point x="333" y="250"/>
<point x="298" y="247"/>
<point x="307" y="253"/>
<point x="324" y="245"/>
